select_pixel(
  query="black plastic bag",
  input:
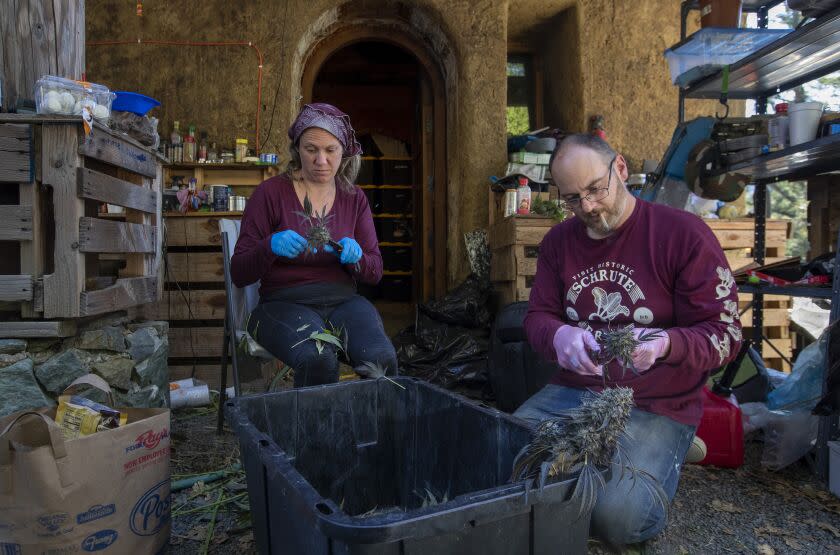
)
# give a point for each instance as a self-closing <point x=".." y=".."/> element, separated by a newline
<point x="466" y="305"/>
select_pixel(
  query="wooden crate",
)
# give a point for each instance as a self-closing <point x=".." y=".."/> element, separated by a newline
<point x="514" y="244"/>
<point x="55" y="179"/>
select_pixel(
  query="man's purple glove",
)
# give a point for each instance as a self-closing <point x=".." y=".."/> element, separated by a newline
<point x="648" y="352"/>
<point x="571" y="344"/>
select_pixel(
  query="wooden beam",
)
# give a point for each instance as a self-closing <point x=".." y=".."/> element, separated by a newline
<point x="195" y="342"/>
<point x="113" y="150"/>
<point x="15" y="223"/>
<point x="15" y="153"/>
<point x="59" y="160"/>
<point x="32" y="251"/>
<point x="104" y="188"/>
<point x="98" y="235"/>
<point x="191" y="267"/>
<point x="16" y="288"/>
<point x="182" y="231"/>
<point x="59" y="328"/>
<point x="125" y="293"/>
<point x="191" y="305"/>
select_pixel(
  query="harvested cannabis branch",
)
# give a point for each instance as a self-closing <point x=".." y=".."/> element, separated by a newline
<point x="580" y="444"/>
<point x="619" y="344"/>
<point x="318" y="234"/>
<point x="375" y="370"/>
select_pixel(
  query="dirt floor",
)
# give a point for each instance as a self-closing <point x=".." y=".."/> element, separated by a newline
<point x="716" y="511"/>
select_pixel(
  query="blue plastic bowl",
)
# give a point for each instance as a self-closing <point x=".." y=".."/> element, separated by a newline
<point x="135" y="103"/>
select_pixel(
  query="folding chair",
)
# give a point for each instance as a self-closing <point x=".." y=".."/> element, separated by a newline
<point x="239" y="304"/>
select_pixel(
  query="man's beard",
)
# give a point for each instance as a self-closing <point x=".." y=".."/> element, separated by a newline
<point x="606" y="221"/>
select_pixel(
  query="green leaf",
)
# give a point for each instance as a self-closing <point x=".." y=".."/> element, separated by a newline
<point x="303" y="327"/>
<point x="328" y="338"/>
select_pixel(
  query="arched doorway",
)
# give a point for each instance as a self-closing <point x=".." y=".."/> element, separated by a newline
<point x="394" y="94"/>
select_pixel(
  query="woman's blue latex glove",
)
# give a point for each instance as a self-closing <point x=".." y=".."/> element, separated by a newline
<point x="287" y="243"/>
<point x="351" y="251"/>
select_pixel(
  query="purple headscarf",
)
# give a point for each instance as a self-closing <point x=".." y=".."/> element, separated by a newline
<point x="330" y="119"/>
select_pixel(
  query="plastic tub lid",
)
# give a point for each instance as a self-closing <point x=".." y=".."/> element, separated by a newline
<point x="135" y="103"/>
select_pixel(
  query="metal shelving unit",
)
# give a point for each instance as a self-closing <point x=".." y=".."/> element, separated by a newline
<point x="803" y="55"/>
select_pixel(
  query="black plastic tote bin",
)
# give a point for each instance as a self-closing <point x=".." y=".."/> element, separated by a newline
<point x="345" y="468"/>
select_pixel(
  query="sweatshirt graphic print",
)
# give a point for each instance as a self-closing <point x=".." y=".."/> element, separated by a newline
<point x="663" y="268"/>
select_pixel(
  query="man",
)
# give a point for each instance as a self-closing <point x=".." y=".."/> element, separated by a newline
<point x="623" y="261"/>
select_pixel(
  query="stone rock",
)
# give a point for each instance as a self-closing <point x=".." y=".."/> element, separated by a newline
<point x="160" y="326"/>
<point x="43" y="356"/>
<point x="105" y="339"/>
<point x="94" y="394"/>
<point x="12" y="346"/>
<point x="116" y="371"/>
<point x="155" y="369"/>
<point x="42" y="345"/>
<point x="8" y="360"/>
<point x="147" y="397"/>
<point x="142" y="343"/>
<point x="60" y="371"/>
<point x="19" y="389"/>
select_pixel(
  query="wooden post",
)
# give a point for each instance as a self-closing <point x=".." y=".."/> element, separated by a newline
<point x="39" y="37"/>
<point x="62" y="288"/>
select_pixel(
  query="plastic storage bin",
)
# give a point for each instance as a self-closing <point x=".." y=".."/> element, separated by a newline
<point x="396" y="258"/>
<point x="57" y="95"/>
<point x="397" y="172"/>
<point x="394" y="230"/>
<point x="396" y="288"/>
<point x="707" y="50"/>
<point x="374" y="201"/>
<point x="834" y="467"/>
<point x="346" y="468"/>
<point x="396" y="200"/>
<point x="367" y="173"/>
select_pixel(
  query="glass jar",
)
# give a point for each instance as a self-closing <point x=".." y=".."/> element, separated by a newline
<point x="241" y="150"/>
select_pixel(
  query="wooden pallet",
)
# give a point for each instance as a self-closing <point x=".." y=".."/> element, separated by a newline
<point x="55" y="179"/>
<point x="194" y="301"/>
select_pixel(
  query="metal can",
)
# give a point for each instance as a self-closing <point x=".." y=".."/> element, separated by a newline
<point x="510" y="202"/>
<point x="220" y="197"/>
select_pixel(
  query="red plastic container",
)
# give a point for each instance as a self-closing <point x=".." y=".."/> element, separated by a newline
<point x="722" y="430"/>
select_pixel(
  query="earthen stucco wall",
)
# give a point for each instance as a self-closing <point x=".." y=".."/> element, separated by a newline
<point x="607" y="58"/>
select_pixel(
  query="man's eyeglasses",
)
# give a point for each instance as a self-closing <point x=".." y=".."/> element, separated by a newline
<point x="594" y="194"/>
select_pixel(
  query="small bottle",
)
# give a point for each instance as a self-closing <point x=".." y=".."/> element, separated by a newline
<point x="783" y="124"/>
<point x="175" y="138"/>
<point x="241" y="150"/>
<point x="202" y="148"/>
<point x="213" y="153"/>
<point x="189" y="149"/>
<point x="523" y="197"/>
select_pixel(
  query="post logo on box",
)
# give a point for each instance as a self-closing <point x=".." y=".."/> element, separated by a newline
<point x="148" y="440"/>
<point x="151" y="512"/>
<point x="99" y="540"/>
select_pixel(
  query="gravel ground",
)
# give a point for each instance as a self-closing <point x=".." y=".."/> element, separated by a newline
<point x="716" y="511"/>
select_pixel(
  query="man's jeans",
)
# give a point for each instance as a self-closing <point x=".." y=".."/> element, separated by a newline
<point x="625" y="513"/>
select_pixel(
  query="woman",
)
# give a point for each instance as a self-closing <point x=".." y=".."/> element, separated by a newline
<point x="307" y="287"/>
